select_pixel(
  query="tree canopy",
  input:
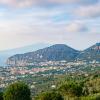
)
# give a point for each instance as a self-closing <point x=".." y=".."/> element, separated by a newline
<point x="50" y="96"/>
<point x="17" y="91"/>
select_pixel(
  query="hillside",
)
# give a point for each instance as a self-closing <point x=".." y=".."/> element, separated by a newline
<point x="56" y="52"/>
<point x="4" y="55"/>
<point x="91" y="53"/>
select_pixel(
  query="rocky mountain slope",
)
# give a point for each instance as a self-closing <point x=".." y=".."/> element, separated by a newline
<point x="56" y="52"/>
<point x="4" y="55"/>
<point x="91" y="53"/>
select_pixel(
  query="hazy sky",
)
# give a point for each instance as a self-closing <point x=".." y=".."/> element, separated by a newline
<point x="72" y="22"/>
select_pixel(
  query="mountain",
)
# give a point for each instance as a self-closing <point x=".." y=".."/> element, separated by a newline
<point x="90" y="54"/>
<point x="4" y="55"/>
<point x="56" y="52"/>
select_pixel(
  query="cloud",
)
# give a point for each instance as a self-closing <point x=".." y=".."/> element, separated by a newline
<point x="29" y="3"/>
<point x="74" y="1"/>
<point x="19" y="32"/>
<point x="58" y="24"/>
<point x="88" y="11"/>
<point x="19" y="3"/>
<point x="75" y="27"/>
<point x="2" y="14"/>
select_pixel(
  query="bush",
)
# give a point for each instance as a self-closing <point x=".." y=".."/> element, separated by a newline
<point x="17" y="91"/>
<point x="1" y="96"/>
<point x="71" y="89"/>
<point x="92" y="86"/>
<point x="50" y="96"/>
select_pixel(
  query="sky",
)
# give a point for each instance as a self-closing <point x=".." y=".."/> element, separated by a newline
<point x="72" y="22"/>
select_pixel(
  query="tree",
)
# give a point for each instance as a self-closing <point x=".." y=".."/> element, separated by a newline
<point x="71" y="89"/>
<point x="17" y="91"/>
<point x="50" y="96"/>
<point x="1" y="96"/>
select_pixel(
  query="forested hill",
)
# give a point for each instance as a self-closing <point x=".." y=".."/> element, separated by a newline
<point x="56" y="52"/>
<point x="91" y="53"/>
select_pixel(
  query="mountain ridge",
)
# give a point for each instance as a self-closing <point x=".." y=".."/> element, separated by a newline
<point x="4" y="55"/>
<point x="91" y="53"/>
<point x="56" y="52"/>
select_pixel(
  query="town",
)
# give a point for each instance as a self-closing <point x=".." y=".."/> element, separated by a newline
<point x="11" y="74"/>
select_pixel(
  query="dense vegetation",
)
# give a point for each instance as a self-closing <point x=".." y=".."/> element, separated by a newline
<point x="17" y="91"/>
<point x="77" y="88"/>
<point x="52" y="95"/>
<point x="1" y="96"/>
<point x="67" y="87"/>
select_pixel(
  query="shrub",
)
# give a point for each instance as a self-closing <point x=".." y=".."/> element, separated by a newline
<point x="17" y="91"/>
<point x="71" y="89"/>
<point x="1" y="96"/>
<point x="50" y="96"/>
